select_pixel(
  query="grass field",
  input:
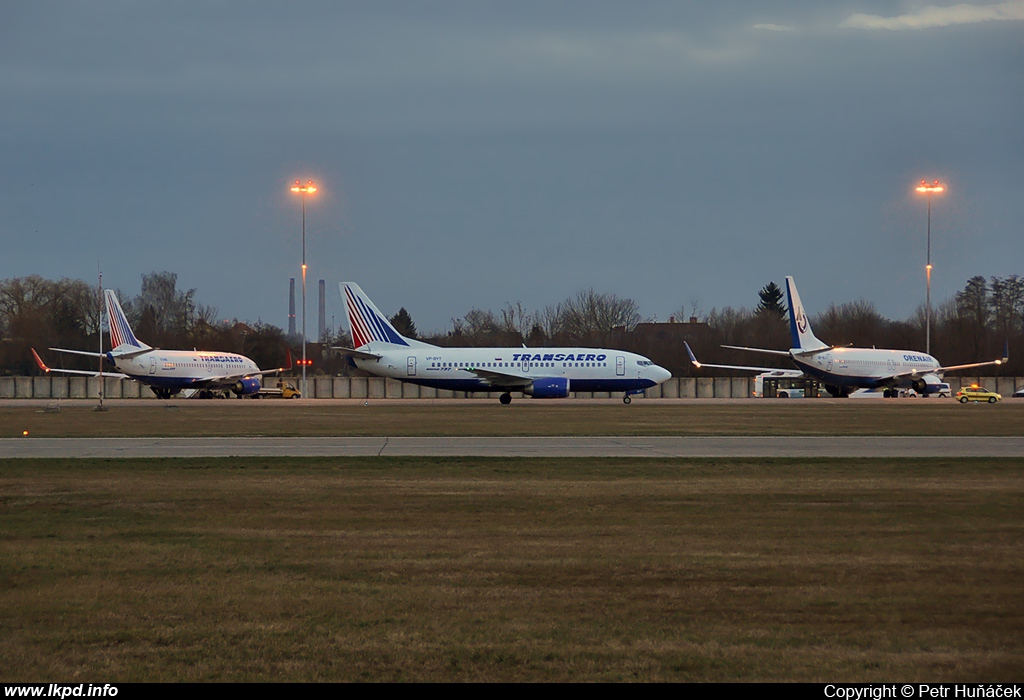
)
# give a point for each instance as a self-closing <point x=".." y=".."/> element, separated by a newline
<point x="524" y="569"/>
<point x="481" y="417"/>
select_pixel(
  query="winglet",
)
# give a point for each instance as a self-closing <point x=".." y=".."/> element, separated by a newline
<point x="690" y="353"/>
<point x="289" y="350"/>
<point x="39" y="361"/>
<point x="1006" y="350"/>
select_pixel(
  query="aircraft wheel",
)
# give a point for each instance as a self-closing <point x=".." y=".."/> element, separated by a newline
<point x="886" y="394"/>
<point x="627" y="400"/>
<point x="963" y="399"/>
<point x="505" y="399"/>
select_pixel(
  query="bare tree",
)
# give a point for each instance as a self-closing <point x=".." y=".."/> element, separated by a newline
<point x="590" y="316"/>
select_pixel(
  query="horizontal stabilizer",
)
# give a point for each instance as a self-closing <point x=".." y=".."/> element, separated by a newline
<point x="356" y="353"/>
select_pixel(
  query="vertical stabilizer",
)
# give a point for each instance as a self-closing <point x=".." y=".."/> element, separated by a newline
<point x="799" y="326"/>
<point x="121" y="336"/>
<point x="366" y="323"/>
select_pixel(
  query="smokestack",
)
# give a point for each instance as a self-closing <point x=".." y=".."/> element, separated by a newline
<point x="291" y="307"/>
<point x="322" y="330"/>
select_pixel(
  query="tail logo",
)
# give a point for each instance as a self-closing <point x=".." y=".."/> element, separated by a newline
<point x="801" y="321"/>
<point x="120" y="331"/>
<point x="366" y="324"/>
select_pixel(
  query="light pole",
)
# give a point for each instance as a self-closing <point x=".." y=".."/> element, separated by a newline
<point x="928" y="190"/>
<point x="304" y="190"/>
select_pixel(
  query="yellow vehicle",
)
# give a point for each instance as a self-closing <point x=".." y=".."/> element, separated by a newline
<point x="285" y="390"/>
<point x="977" y="393"/>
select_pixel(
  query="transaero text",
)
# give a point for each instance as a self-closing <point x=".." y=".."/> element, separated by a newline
<point x="558" y="357"/>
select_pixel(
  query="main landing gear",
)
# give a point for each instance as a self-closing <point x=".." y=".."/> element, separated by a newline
<point x="505" y="399"/>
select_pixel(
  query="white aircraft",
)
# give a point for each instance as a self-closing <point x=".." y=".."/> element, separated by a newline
<point x="167" y="372"/>
<point x="542" y="373"/>
<point x="843" y="370"/>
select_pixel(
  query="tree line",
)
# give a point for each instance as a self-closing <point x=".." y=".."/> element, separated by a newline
<point x="41" y="313"/>
<point x="972" y="326"/>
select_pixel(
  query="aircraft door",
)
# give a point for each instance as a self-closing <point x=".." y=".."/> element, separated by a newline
<point x="152" y="365"/>
<point x="620" y="366"/>
<point x="828" y="360"/>
<point x="411" y="365"/>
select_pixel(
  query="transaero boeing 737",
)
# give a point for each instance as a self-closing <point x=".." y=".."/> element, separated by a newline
<point x="542" y="373"/>
<point x="167" y="372"/>
<point x="843" y="369"/>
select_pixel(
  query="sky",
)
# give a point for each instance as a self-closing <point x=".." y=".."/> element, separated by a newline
<point x="475" y="154"/>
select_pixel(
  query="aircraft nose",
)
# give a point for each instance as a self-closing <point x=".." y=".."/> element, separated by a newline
<point x="659" y="374"/>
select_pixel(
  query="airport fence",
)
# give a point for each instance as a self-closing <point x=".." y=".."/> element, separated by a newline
<point x="53" y="387"/>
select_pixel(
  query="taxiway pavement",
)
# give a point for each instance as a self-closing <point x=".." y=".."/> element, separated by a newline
<point x="725" y="446"/>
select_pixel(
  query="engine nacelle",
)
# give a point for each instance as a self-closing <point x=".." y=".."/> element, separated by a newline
<point x="548" y="388"/>
<point x="929" y="384"/>
<point x="246" y="387"/>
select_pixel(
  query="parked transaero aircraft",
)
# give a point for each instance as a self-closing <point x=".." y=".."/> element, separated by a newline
<point x="844" y="369"/>
<point x="167" y="372"/>
<point x="542" y="373"/>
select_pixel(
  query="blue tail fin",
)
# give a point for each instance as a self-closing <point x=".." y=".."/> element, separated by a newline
<point x="803" y="337"/>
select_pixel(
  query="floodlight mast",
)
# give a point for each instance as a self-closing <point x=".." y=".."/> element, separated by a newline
<point x="304" y="190"/>
<point x="928" y="190"/>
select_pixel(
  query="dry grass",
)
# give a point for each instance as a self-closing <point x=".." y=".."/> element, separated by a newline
<point x="477" y="569"/>
<point x="485" y="417"/>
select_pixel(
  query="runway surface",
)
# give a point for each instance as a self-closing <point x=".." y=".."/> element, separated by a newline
<point x="811" y="446"/>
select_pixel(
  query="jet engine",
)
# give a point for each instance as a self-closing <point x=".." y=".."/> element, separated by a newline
<point x="928" y="384"/>
<point x="548" y="388"/>
<point x="246" y="387"/>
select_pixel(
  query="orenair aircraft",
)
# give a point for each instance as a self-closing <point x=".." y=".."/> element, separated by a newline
<point x="542" y="373"/>
<point x="167" y="372"/>
<point x="843" y="370"/>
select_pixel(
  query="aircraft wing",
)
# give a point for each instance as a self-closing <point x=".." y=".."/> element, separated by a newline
<point x="950" y="368"/>
<point x="97" y="354"/>
<point x="42" y="366"/>
<point x="764" y="350"/>
<point x="218" y="380"/>
<point x="699" y="364"/>
<point x="500" y="379"/>
<point x="788" y="353"/>
<point x="357" y="353"/>
<point x="74" y="352"/>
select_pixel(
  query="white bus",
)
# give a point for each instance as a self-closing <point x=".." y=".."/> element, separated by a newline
<point x="787" y="383"/>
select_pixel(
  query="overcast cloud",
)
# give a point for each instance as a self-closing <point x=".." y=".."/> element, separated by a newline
<point x="473" y="154"/>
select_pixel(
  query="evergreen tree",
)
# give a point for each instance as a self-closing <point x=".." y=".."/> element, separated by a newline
<point x="402" y="322"/>
<point x="771" y="302"/>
